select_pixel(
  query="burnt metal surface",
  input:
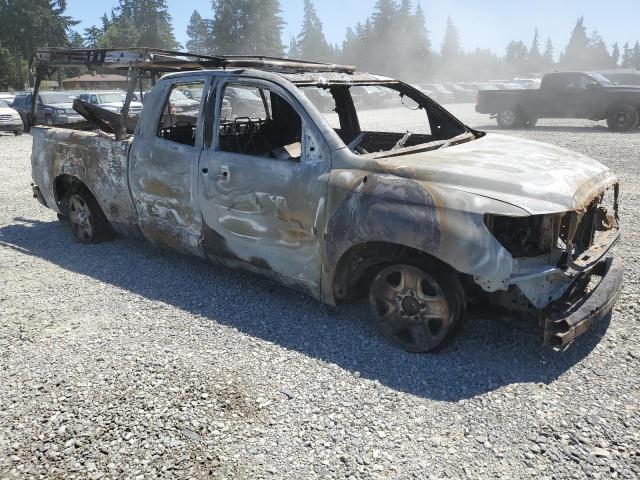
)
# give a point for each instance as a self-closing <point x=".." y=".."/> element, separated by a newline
<point x="512" y="216"/>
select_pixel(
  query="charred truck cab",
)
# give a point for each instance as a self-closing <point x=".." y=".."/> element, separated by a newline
<point x="276" y="170"/>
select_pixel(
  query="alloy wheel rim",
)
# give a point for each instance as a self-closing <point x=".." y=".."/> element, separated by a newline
<point x="410" y="308"/>
<point x="80" y="218"/>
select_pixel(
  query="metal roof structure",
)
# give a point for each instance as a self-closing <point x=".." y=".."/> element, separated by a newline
<point x="156" y="60"/>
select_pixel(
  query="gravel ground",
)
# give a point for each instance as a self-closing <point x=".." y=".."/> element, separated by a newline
<point x="122" y="361"/>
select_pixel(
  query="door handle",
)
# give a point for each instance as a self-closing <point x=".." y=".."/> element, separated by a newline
<point x="224" y="173"/>
<point x="205" y="170"/>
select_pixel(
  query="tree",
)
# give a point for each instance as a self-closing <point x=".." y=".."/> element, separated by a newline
<point x="599" y="57"/>
<point x="534" y="60"/>
<point x="576" y="55"/>
<point x="626" y="56"/>
<point x="635" y="56"/>
<point x="311" y="43"/>
<point x="135" y="23"/>
<point x="450" y="49"/>
<point x="249" y="27"/>
<point x="26" y="25"/>
<point x="198" y="33"/>
<point x="615" y="55"/>
<point x="547" y="56"/>
<point x="516" y="57"/>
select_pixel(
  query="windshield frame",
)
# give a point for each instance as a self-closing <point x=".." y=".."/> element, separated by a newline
<point x="435" y="113"/>
<point x="60" y="95"/>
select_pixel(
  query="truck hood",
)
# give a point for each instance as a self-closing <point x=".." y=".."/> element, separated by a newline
<point x="536" y="177"/>
<point x="624" y="88"/>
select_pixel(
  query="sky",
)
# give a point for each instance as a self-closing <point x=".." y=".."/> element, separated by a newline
<point x="486" y="24"/>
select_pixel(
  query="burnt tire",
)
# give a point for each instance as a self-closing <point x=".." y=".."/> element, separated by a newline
<point x="508" y="119"/>
<point x="622" y="118"/>
<point x="418" y="306"/>
<point x="86" y="219"/>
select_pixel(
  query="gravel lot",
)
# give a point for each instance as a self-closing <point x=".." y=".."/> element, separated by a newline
<point x="122" y="361"/>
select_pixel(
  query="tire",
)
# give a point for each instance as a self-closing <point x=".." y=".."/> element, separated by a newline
<point x="622" y="118"/>
<point x="509" y="119"/>
<point x="417" y="306"/>
<point x="87" y="221"/>
<point x="17" y="133"/>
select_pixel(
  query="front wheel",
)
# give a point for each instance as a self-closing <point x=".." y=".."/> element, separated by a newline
<point x="622" y="118"/>
<point x="88" y="223"/>
<point x="508" y="119"/>
<point x="417" y="307"/>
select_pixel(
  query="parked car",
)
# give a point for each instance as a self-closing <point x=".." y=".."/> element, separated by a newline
<point x="623" y="78"/>
<point x="10" y="120"/>
<point x="529" y="83"/>
<point x="565" y="95"/>
<point x="409" y="207"/>
<point x="54" y="108"/>
<point x="443" y="94"/>
<point x="461" y="93"/>
<point x="7" y="97"/>
<point x="244" y="102"/>
<point x="112" y="100"/>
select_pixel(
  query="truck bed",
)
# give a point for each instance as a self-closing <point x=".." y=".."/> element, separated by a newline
<point x="96" y="159"/>
<point x="495" y="101"/>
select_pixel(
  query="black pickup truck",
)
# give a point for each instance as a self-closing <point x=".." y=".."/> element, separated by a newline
<point x="565" y="95"/>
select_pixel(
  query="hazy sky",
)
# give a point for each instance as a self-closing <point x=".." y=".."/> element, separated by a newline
<point x="485" y="24"/>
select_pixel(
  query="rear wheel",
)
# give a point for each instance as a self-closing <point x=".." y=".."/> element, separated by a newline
<point x="88" y="223"/>
<point x="509" y="119"/>
<point x="622" y="118"/>
<point x="418" y="307"/>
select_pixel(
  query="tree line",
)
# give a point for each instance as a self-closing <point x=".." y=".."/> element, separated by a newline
<point x="393" y="40"/>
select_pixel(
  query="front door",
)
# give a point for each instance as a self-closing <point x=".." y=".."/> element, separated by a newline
<point x="263" y="183"/>
<point x="163" y="167"/>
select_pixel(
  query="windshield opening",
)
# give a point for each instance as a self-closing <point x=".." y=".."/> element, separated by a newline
<point x="384" y="119"/>
<point x="111" y="97"/>
<point x="56" y="97"/>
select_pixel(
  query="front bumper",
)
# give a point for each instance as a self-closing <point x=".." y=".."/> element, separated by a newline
<point x="572" y="316"/>
<point x="13" y="126"/>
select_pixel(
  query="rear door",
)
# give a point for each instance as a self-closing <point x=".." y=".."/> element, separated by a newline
<point x="163" y="167"/>
<point x="263" y="183"/>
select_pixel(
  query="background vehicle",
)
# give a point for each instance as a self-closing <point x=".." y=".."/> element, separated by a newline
<point x="10" y="120"/>
<point x="461" y="93"/>
<point x="565" y="95"/>
<point x="7" y="97"/>
<point x="442" y="94"/>
<point x="54" y="108"/>
<point x="112" y="100"/>
<point x="622" y="77"/>
<point x="396" y="201"/>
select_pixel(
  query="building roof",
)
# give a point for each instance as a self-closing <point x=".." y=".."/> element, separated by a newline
<point x="97" y="78"/>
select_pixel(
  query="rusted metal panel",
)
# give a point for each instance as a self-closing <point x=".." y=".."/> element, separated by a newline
<point x="98" y="161"/>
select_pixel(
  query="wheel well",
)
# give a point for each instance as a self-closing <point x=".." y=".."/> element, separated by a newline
<point x="360" y="263"/>
<point x="63" y="186"/>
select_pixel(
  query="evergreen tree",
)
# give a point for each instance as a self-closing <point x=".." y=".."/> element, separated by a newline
<point x="626" y="56"/>
<point x="26" y="25"/>
<point x="450" y="49"/>
<point x="534" y="61"/>
<point x="615" y="55"/>
<point x="198" y="33"/>
<point x="599" y="57"/>
<point x="248" y="27"/>
<point x="311" y="43"/>
<point x="516" y="57"/>
<point x="635" y="57"/>
<point x="576" y="55"/>
<point x="547" y="56"/>
<point x="137" y="23"/>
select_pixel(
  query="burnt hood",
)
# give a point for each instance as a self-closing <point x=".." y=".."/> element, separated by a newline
<point x="533" y="176"/>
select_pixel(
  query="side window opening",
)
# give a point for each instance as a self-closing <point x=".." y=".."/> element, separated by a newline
<point x="255" y="121"/>
<point x="179" y="119"/>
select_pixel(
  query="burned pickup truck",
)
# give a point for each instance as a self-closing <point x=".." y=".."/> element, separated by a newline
<point x="402" y="203"/>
